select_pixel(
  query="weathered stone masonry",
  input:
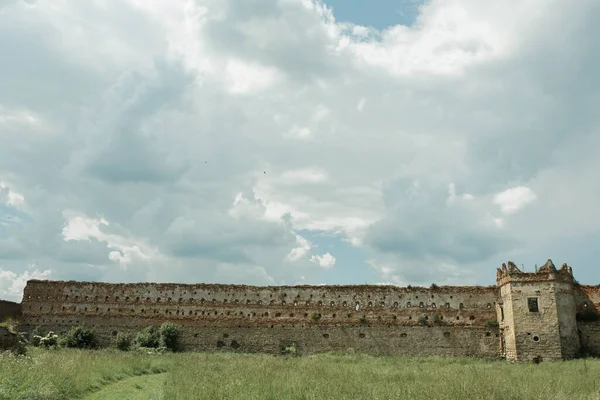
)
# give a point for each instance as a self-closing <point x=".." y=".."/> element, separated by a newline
<point x="375" y="319"/>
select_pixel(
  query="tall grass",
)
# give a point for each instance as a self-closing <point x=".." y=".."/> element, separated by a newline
<point x="70" y="373"/>
<point x="230" y="376"/>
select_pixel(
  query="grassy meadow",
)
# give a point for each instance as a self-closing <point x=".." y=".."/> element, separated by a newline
<point x="111" y="374"/>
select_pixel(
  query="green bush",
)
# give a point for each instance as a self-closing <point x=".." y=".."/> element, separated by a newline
<point x="20" y="348"/>
<point x="289" y="350"/>
<point x="48" y="341"/>
<point x="80" y="337"/>
<point x="169" y="336"/>
<point x="148" y="337"/>
<point x="123" y="341"/>
<point x="166" y="336"/>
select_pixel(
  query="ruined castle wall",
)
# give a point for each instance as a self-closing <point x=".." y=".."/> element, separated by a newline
<point x="587" y="299"/>
<point x="451" y="320"/>
<point x="8" y="309"/>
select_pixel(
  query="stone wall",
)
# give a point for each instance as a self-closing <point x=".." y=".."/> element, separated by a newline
<point x="8" y="309"/>
<point x="375" y="319"/>
<point x="587" y="300"/>
<point x="311" y="338"/>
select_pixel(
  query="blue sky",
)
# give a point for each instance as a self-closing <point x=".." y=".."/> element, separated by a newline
<point x="297" y="142"/>
<point x="378" y="14"/>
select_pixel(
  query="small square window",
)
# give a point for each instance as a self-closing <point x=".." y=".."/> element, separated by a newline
<point x="532" y="303"/>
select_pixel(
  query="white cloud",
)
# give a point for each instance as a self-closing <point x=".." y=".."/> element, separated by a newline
<point x="18" y="116"/>
<point x="514" y="199"/>
<point x="324" y="261"/>
<point x="361" y="105"/>
<point x="243" y="78"/>
<point x="321" y="113"/>
<point x="125" y="251"/>
<point x="447" y="37"/>
<point x="303" y="247"/>
<point x="297" y="132"/>
<point x="10" y="197"/>
<point x="244" y="207"/>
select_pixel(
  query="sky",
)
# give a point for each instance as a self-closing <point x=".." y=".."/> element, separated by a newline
<point x="284" y="142"/>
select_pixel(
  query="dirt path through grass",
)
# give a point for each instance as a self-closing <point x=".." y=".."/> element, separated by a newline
<point x="142" y="387"/>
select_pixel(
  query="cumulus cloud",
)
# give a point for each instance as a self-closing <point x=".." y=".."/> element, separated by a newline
<point x="10" y="197"/>
<point x="324" y="261"/>
<point x="123" y="251"/>
<point x="513" y="199"/>
<point x="218" y="139"/>
<point x="303" y="247"/>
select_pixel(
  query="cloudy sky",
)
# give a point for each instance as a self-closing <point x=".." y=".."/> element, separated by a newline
<point x="290" y="142"/>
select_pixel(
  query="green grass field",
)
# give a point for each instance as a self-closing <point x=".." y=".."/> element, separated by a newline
<point x="110" y="374"/>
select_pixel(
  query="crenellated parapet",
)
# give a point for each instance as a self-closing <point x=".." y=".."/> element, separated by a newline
<point x="547" y="272"/>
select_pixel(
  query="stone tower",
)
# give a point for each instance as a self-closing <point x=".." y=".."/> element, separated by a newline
<point x="537" y="313"/>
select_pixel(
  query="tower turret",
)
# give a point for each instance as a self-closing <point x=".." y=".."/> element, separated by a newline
<point x="538" y="313"/>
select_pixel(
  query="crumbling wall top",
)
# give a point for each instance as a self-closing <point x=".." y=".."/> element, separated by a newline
<point x="546" y="272"/>
<point x="48" y="284"/>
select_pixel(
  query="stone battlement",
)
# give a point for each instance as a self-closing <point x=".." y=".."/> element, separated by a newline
<point x="547" y="272"/>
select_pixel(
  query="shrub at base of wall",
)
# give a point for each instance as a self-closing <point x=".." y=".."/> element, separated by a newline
<point x="377" y="340"/>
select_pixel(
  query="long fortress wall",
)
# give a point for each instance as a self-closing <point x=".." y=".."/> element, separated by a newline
<point x="375" y="319"/>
